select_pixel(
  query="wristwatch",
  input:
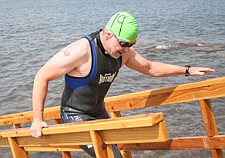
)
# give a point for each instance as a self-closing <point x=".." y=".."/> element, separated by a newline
<point x="187" y="70"/>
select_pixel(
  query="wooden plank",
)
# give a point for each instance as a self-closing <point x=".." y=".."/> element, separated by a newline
<point x="109" y="151"/>
<point x="210" y="124"/>
<point x="15" y="126"/>
<point x="126" y="154"/>
<point x="155" y="133"/>
<point x="155" y="97"/>
<point x="217" y="153"/>
<point x="17" y="118"/>
<point x="66" y="154"/>
<point x="52" y="113"/>
<point x="177" y="94"/>
<point x="182" y="143"/>
<point x="17" y="151"/>
<point x="15" y="115"/>
<point x="115" y="114"/>
<point x="30" y="113"/>
<point x="188" y="92"/>
<point x="54" y="148"/>
<point x="131" y="132"/>
<point x="98" y="143"/>
<point x="78" y="138"/>
<point x="103" y="124"/>
<point x="208" y="117"/>
<point x="4" y="142"/>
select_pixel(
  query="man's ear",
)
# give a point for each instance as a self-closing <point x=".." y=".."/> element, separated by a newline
<point x="108" y="35"/>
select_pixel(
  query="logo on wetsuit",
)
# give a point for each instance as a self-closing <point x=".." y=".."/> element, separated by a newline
<point x="106" y="78"/>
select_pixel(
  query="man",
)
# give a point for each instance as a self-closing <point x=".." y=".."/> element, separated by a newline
<point x="90" y="65"/>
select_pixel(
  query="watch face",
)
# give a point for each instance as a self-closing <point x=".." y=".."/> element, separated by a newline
<point x="187" y="70"/>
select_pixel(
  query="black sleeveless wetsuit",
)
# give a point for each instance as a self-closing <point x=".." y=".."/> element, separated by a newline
<point x="83" y="97"/>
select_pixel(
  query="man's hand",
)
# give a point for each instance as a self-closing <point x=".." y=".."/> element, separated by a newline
<point x="199" y="71"/>
<point x="36" y="127"/>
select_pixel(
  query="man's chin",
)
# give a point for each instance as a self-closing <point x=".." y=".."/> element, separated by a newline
<point x="116" y="56"/>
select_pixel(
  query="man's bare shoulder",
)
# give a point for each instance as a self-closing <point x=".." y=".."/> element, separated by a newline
<point x="72" y="56"/>
<point x="81" y="46"/>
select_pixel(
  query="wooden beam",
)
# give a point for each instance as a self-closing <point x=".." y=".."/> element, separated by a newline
<point x="18" y="118"/>
<point x="103" y="124"/>
<point x="183" y="93"/>
<point x="155" y="133"/>
<point x="187" y="92"/>
<point x="56" y="140"/>
<point x="210" y="124"/>
<point x="109" y="150"/>
<point x="115" y="114"/>
<point x="53" y="148"/>
<point x="98" y="143"/>
<point x="4" y="142"/>
<point x="126" y="154"/>
<point x="29" y="113"/>
<point x="131" y="129"/>
<point x="66" y="154"/>
<point x="17" y="151"/>
<point x="134" y="129"/>
<point x="15" y="126"/>
<point x="182" y="143"/>
<point x="208" y="117"/>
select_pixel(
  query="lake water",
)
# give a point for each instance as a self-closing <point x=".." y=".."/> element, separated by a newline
<point x="177" y="32"/>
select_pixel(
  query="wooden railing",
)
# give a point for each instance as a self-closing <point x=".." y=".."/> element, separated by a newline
<point x="132" y="129"/>
<point x="198" y="91"/>
<point x="202" y="92"/>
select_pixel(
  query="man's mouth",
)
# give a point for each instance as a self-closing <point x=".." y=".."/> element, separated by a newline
<point x="120" y="52"/>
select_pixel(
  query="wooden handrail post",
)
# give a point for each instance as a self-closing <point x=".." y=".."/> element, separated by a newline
<point x="65" y="154"/>
<point x="98" y="143"/>
<point x="17" y="151"/>
<point x="115" y="114"/>
<point x="15" y="126"/>
<point x="109" y="151"/>
<point x="125" y="154"/>
<point x="210" y="124"/>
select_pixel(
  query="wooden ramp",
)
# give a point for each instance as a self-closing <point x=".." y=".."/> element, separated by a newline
<point x="140" y="132"/>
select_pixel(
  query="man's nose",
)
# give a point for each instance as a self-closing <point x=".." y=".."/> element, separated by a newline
<point x="126" y="49"/>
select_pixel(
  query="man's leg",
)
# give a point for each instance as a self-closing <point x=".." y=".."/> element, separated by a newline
<point x="89" y="149"/>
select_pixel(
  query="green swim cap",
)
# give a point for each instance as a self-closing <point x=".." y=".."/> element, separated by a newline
<point x="123" y="25"/>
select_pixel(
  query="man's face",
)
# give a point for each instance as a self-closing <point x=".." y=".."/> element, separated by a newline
<point x="118" y="47"/>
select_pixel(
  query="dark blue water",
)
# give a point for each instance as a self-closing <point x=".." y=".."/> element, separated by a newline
<point x="177" y="32"/>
